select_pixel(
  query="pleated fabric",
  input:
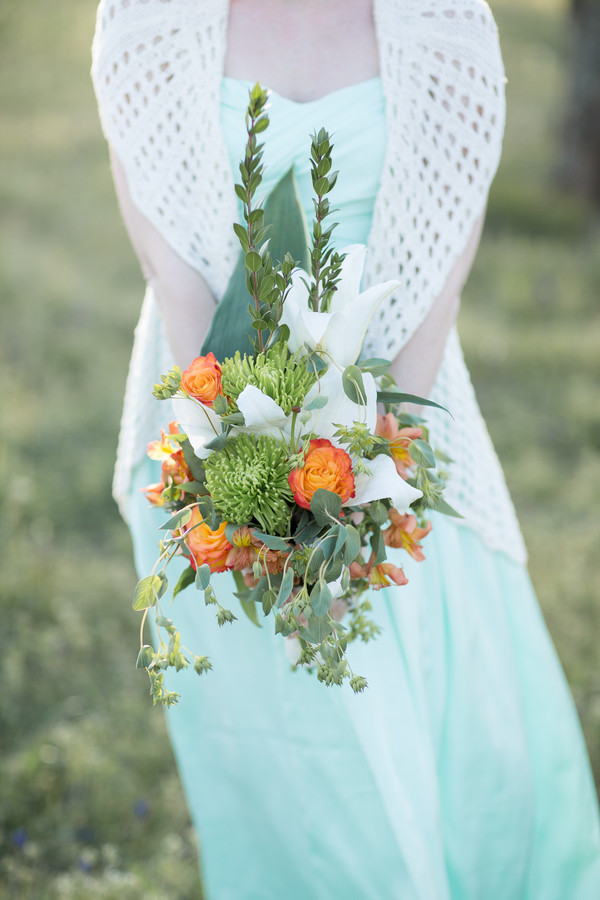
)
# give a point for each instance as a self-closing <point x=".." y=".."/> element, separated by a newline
<point x="460" y="773"/>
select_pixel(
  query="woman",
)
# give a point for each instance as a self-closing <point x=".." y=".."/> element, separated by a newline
<point x="461" y="772"/>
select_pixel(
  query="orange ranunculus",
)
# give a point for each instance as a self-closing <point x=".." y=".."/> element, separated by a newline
<point x="399" y="438"/>
<point x="326" y="467"/>
<point x="202" y="379"/>
<point x="403" y="533"/>
<point x="206" y="546"/>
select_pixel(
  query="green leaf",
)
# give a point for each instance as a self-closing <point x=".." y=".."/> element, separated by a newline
<point x="193" y="487"/>
<point x="252" y="261"/>
<point x="217" y="443"/>
<point x="185" y="579"/>
<point x="145" y="657"/>
<point x="287" y="583"/>
<point x="375" y="366"/>
<point x="318" y="403"/>
<point x="149" y="590"/>
<point x="320" y="598"/>
<point x="352" y="548"/>
<point x="268" y="601"/>
<point x="391" y="395"/>
<point x="422" y="454"/>
<point x="272" y="542"/>
<point x="318" y="628"/>
<point x="202" y="579"/>
<point x="445" y="508"/>
<point x="194" y="463"/>
<point x="324" y="505"/>
<point x="341" y="536"/>
<point x="378" y="546"/>
<point x="248" y="606"/>
<point x="378" y="512"/>
<point x="179" y="520"/>
<point x="353" y="384"/>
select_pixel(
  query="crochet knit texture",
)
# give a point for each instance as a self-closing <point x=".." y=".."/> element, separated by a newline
<point x="157" y="69"/>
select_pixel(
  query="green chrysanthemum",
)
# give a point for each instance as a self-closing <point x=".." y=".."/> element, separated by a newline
<point x="250" y="481"/>
<point x="275" y="372"/>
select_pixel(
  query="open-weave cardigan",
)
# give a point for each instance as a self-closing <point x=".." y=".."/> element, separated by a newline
<point x="157" y="70"/>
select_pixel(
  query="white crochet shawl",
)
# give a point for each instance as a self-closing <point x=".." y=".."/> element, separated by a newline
<point x="157" y="68"/>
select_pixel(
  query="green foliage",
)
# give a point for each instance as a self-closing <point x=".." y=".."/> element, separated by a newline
<point x="250" y="481"/>
<point x="276" y="373"/>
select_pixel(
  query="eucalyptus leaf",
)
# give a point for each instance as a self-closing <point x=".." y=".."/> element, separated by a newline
<point x="185" y="579"/>
<point x="352" y="547"/>
<point x="318" y="403"/>
<point x="318" y="628"/>
<point x="320" y="598"/>
<point x="445" y="508"/>
<point x="353" y="384"/>
<point x="193" y="487"/>
<point x="287" y="583"/>
<point x="375" y="366"/>
<point x="272" y="542"/>
<point x="217" y="443"/>
<point x="202" y="579"/>
<point x="149" y="590"/>
<point x="324" y="505"/>
<point x="422" y="454"/>
<point x="179" y="520"/>
<point x="145" y="657"/>
<point x="378" y="546"/>
<point x="194" y="464"/>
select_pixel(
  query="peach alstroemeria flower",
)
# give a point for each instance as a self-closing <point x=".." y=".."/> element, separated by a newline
<point x="404" y="534"/>
<point x="399" y="438"/>
<point x="244" y="550"/>
<point x="385" y="574"/>
<point x="162" y="450"/>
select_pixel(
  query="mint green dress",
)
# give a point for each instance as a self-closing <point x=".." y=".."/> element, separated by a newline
<point x="461" y="772"/>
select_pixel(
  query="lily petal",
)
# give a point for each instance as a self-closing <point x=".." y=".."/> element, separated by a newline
<point x="261" y="414"/>
<point x="346" y="330"/>
<point x="199" y="422"/>
<point x="340" y="409"/>
<point x="348" y="287"/>
<point x="384" y="483"/>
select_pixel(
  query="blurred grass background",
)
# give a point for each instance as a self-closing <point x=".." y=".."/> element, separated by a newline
<point x="90" y="803"/>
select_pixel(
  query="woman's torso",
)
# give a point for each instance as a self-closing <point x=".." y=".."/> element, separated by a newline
<point x="355" y="116"/>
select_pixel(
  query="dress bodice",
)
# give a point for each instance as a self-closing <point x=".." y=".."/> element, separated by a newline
<point x="355" y="118"/>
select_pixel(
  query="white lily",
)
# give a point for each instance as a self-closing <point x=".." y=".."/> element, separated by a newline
<point x="338" y="334"/>
<point x="340" y="409"/>
<point x="199" y="422"/>
<point x="262" y="415"/>
<point x="384" y="483"/>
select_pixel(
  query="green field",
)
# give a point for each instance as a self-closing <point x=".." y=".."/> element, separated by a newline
<point x="90" y="803"/>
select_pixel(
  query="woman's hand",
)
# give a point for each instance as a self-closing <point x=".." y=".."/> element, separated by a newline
<point x="185" y="301"/>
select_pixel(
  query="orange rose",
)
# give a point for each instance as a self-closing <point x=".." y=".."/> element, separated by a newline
<point x="403" y="533"/>
<point x="399" y="438"/>
<point x="325" y="467"/>
<point x="202" y="380"/>
<point x="207" y="546"/>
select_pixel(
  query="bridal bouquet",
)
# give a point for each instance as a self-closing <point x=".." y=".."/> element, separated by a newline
<point x="278" y="467"/>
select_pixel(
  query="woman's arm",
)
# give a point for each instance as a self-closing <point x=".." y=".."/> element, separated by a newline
<point x="416" y="366"/>
<point x="184" y="299"/>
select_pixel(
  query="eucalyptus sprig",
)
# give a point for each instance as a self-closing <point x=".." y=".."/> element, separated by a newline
<point x="325" y="262"/>
<point x="267" y="284"/>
